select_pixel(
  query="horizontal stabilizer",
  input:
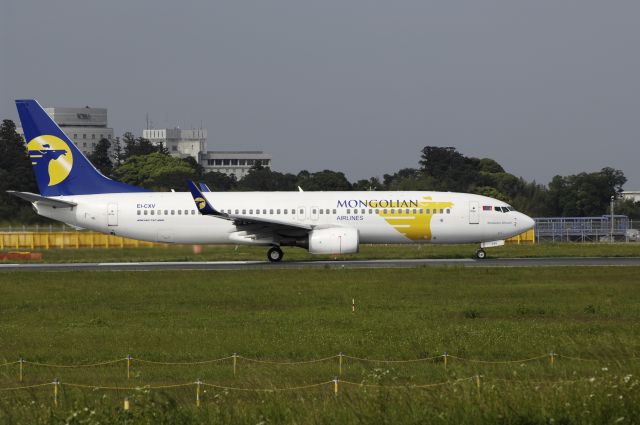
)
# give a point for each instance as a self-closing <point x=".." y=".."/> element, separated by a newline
<point x="32" y="197"/>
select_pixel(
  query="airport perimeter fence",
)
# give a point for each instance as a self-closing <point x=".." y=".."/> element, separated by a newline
<point x="333" y="384"/>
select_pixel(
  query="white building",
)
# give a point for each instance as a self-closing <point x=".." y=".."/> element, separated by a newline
<point x="633" y="195"/>
<point x="84" y="126"/>
<point x="193" y="143"/>
<point x="179" y="142"/>
<point x="237" y="163"/>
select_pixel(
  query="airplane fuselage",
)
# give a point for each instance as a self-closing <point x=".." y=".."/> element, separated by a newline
<point x="379" y="217"/>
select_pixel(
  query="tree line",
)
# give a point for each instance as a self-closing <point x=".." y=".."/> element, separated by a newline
<point x="137" y="161"/>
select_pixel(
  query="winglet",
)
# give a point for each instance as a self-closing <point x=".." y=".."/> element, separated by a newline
<point x="203" y="205"/>
<point x="204" y="187"/>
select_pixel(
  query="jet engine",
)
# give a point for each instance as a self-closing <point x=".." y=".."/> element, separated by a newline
<point x="334" y="240"/>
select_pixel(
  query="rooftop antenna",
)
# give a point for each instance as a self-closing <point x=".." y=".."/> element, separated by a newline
<point x="147" y="121"/>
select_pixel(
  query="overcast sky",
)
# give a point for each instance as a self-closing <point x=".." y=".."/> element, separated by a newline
<point x="543" y="86"/>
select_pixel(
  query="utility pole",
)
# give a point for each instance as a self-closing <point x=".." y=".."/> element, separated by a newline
<point x="613" y="198"/>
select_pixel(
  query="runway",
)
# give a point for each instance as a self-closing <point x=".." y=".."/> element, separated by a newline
<point x="322" y="264"/>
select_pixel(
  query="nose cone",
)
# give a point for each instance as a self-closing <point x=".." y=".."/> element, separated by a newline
<point x="525" y="223"/>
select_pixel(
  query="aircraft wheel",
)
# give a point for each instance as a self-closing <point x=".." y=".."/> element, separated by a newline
<point x="481" y="254"/>
<point x="275" y="254"/>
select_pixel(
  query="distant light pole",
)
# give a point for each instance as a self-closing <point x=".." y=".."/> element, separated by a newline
<point x="613" y="198"/>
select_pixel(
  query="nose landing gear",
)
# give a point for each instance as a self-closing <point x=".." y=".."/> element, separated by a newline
<point x="481" y="254"/>
<point x="275" y="254"/>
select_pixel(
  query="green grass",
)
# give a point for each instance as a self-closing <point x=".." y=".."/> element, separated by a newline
<point x="241" y="253"/>
<point x="489" y="314"/>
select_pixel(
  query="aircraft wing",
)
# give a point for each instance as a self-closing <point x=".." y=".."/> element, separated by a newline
<point x="32" y="197"/>
<point x="242" y="221"/>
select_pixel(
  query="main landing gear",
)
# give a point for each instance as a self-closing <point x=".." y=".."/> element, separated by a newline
<point x="275" y="254"/>
<point x="481" y="254"/>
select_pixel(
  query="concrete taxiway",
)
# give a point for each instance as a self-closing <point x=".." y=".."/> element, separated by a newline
<point x="351" y="264"/>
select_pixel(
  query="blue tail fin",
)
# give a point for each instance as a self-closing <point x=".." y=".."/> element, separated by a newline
<point x="60" y="167"/>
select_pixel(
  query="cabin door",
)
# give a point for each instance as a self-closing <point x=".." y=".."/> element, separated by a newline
<point x="474" y="215"/>
<point x="112" y="214"/>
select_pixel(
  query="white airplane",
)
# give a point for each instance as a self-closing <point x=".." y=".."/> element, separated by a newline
<point x="74" y="192"/>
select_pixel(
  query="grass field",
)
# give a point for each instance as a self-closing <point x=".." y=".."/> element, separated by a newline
<point x="292" y="315"/>
<point x="240" y="253"/>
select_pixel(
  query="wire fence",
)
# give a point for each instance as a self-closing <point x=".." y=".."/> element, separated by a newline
<point x="340" y="358"/>
<point x="333" y="385"/>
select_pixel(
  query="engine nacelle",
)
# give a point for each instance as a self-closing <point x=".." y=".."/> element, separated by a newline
<point x="334" y="240"/>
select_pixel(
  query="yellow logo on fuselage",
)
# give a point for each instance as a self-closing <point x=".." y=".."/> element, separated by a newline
<point x="415" y="226"/>
<point x="54" y="153"/>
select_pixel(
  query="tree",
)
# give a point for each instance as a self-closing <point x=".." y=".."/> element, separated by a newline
<point x="156" y="171"/>
<point x="220" y="182"/>
<point x="191" y="162"/>
<point x="117" y="152"/>
<point x="372" y="184"/>
<point x="585" y="194"/>
<point x="449" y="169"/>
<point x="323" y="180"/>
<point x="100" y="157"/>
<point x="139" y="146"/>
<point x="263" y="179"/>
<point x="16" y="173"/>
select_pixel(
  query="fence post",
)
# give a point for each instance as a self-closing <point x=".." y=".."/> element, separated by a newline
<point x="552" y="356"/>
<point x="335" y="387"/>
<point x="55" y="391"/>
<point x="235" y="363"/>
<point x="129" y="358"/>
<point x="340" y="364"/>
<point x="445" y="355"/>
<point x="478" y="383"/>
<point x="126" y="404"/>
<point x="198" y="393"/>
<point x="21" y="361"/>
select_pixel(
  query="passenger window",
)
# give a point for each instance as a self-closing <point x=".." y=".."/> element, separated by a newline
<point x="237" y="211"/>
<point x="302" y="211"/>
<point x="370" y="211"/>
<point x="407" y="211"/>
<point x="278" y="212"/>
<point x="173" y="212"/>
<point x="414" y="210"/>
<point x="186" y="212"/>
<point x="377" y="211"/>
<point x="244" y="212"/>
<point x="441" y="210"/>
<point x="327" y="211"/>
<point x="166" y="212"/>
<point x="428" y="211"/>
<point x="362" y="211"/>
<point x="152" y="212"/>
<point x="320" y="211"/>
<point x="335" y="212"/>
<point x="139" y="212"/>
<point x="257" y="212"/>
<point x="250" y="211"/>
<point x="448" y="211"/>
<point x="264" y="211"/>
<point x="384" y="211"/>
<point x="393" y="211"/>
<point x="270" y="211"/>
<point x="286" y="211"/>
<point x="179" y="212"/>
<point x="193" y="212"/>
<point x="145" y="212"/>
